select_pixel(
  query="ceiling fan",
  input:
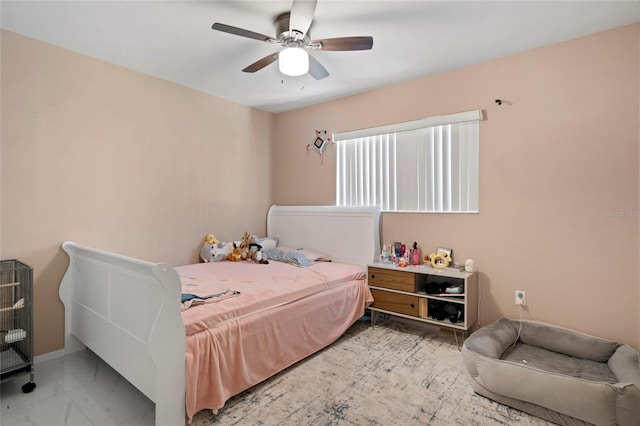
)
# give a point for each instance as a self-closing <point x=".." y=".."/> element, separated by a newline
<point x="292" y="33"/>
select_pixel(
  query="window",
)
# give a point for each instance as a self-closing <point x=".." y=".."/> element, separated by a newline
<point x="428" y="165"/>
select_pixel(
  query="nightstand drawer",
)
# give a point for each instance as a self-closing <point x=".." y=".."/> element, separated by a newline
<point x="397" y="280"/>
<point x="396" y="302"/>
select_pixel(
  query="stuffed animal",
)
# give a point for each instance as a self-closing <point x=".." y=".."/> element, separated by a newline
<point x="245" y="252"/>
<point x="255" y="251"/>
<point x="250" y="249"/>
<point x="236" y="254"/>
<point x="257" y="255"/>
<point x="210" y="251"/>
<point x="211" y="239"/>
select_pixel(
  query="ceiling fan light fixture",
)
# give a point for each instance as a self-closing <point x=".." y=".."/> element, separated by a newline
<point x="293" y="61"/>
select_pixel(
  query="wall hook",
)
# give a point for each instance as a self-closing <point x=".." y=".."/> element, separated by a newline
<point x="502" y="101"/>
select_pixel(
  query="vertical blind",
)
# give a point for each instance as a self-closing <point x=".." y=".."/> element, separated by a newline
<point x="414" y="168"/>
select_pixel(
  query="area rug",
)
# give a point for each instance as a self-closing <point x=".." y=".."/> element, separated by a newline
<point x="391" y="374"/>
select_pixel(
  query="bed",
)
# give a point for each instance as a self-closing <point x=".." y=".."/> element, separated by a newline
<point x="128" y="311"/>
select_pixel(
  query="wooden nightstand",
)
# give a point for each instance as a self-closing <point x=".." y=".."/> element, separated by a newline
<point x="418" y="293"/>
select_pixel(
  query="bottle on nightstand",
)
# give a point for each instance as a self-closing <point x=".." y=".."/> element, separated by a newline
<point x="415" y="254"/>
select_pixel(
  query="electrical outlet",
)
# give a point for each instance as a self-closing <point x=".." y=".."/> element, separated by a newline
<point x="519" y="297"/>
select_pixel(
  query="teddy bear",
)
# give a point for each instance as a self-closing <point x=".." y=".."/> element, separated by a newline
<point x="210" y="251"/>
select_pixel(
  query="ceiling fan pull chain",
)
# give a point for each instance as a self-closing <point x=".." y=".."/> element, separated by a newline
<point x="301" y="85"/>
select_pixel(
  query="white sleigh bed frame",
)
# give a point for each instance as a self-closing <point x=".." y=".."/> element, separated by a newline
<point x="127" y="310"/>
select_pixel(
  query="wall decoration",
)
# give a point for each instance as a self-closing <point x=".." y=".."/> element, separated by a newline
<point x="321" y="141"/>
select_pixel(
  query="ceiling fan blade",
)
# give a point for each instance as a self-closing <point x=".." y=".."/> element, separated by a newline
<point x="316" y="69"/>
<point x="302" y="12"/>
<point x="261" y="63"/>
<point x="345" y="43"/>
<point x="240" y="32"/>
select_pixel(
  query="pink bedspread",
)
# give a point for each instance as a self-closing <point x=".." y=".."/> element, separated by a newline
<point x="281" y="315"/>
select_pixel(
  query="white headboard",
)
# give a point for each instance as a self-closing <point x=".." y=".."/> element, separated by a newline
<point x="348" y="234"/>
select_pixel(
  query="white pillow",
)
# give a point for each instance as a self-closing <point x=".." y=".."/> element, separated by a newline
<point x="267" y="243"/>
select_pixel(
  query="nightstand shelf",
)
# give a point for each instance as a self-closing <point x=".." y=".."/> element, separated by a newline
<point x="414" y="292"/>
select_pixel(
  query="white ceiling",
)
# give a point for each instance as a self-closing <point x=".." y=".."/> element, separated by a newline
<point x="173" y="40"/>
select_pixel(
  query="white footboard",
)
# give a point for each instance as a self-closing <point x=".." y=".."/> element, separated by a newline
<point x="127" y="311"/>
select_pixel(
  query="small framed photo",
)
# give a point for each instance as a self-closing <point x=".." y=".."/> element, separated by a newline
<point x="397" y="249"/>
<point x="447" y="251"/>
<point x="319" y="143"/>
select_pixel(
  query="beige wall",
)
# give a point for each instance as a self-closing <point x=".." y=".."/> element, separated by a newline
<point x="555" y="158"/>
<point x="108" y="157"/>
<point x="119" y="160"/>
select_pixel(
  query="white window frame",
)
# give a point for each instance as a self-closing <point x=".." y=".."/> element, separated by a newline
<point x="377" y="167"/>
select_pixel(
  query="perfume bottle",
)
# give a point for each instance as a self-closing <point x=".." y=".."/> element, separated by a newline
<point x="384" y="255"/>
<point x="415" y="254"/>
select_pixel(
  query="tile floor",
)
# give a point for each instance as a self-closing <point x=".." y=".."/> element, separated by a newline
<point x="74" y="390"/>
